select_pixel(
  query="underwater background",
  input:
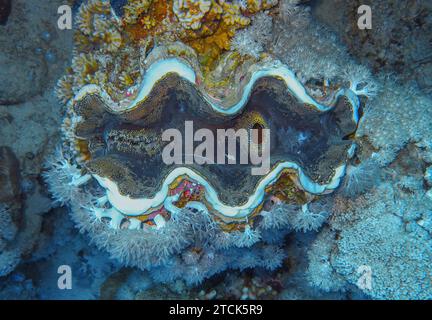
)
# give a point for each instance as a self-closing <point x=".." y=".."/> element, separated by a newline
<point x="365" y="236"/>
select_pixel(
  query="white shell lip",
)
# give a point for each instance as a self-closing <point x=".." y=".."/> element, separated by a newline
<point x="161" y="68"/>
<point x="138" y="206"/>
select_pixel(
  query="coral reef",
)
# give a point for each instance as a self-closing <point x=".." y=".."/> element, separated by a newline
<point x="344" y="211"/>
<point x="389" y="129"/>
<point x="192" y="221"/>
<point x="190" y="234"/>
<point x="383" y="48"/>
<point x="196" y="235"/>
<point x="385" y="231"/>
<point x="391" y="238"/>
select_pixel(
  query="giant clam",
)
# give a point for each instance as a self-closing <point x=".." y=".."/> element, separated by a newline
<point x="213" y="204"/>
<point x="124" y="145"/>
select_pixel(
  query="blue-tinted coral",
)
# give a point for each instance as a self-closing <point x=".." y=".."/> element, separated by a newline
<point x="386" y="234"/>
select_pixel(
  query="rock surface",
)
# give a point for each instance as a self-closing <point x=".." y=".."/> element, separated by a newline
<point x="5" y="9"/>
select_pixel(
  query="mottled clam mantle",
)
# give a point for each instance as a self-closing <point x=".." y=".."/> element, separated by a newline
<point x="125" y="144"/>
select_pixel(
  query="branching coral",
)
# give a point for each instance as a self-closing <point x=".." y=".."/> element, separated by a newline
<point x="246" y="44"/>
<point x="360" y="178"/>
<point x="306" y="220"/>
<point x="319" y="55"/>
<point x="400" y="263"/>
<point x="289" y="9"/>
<point x="251" y="41"/>
<point x="63" y="178"/>
<point x="320" y="272"/>
<point x="362" y="81"/>
<point x="278" y="217"/>
<point x="212" y="262"/>
<point x="246" y="238"/>
<point x="172" y="252"/>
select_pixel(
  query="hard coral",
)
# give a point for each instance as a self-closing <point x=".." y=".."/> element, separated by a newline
<point x="392" y="120"/>
<point x="190" y="13"/>
<point x="400" y="263"/>
<point x="390" y="235"/>
<point x="320" y="272"/>
<point x="134" y="9"/>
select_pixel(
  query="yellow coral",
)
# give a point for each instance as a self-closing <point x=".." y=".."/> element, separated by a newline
<point x="254" y="6"/>
<point x="206" y="25"/>
<point x="99" y="78"/>
<point x="190" y="12"/>
<point x="84" y="66"/>
<point x="107" y="49"/>
<point x="134" y="9"/>
<point x="84" y="20"/>
<point x="100" y="25"/>
<point x="126" y="79"/>
<point x="145" y="21"/>
<point x="86" y="14"/>
<point x="232" y="15"/>
<point x="82" y="42"/>
<point x="64" y="88"/>
<point x="112" y="40"/>
<point x="97" y="26"/>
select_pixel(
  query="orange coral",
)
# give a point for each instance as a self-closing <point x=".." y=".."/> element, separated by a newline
<point x="149" y="22"/>
<point x="208" y="32"/>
